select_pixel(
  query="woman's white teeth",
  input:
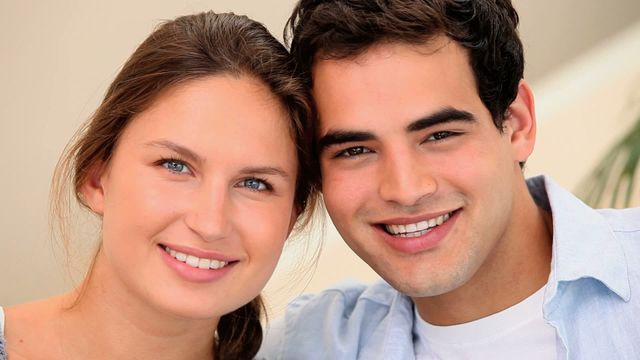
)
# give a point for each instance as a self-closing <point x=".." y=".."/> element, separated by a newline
<point x="195" y="261"/>
<point x="417" y="229"/>
<point x="204" y="263"/>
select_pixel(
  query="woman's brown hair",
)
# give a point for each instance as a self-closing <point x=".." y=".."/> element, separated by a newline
<point x="184" y="49"/>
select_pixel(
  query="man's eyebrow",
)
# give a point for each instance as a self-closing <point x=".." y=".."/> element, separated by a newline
<point x="183" y="151"/>
<point x="445" y="115"/>
<point x="336" y="137"/>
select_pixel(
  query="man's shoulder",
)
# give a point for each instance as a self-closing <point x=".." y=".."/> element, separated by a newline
<point x="625" y="226"/>
<point x="623" y="220"/>
<point x="570" y="213"/>
<point x="345" y="302"/>
<point x="346" y="297"/>
<point x="599" y="275"/>
<point x="337" y="322"/>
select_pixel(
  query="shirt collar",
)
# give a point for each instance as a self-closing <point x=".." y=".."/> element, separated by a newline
<point x="584" y="246"/>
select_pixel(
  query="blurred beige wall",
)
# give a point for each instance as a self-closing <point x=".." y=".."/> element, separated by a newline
<point x="59" y="56"/>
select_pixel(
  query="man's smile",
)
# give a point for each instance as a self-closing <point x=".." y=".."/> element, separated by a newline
<point x="415" y="229"/>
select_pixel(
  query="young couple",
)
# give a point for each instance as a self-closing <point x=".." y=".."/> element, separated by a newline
<point x="207" y="150"/>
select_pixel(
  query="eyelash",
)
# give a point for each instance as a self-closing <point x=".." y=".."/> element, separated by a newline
<point x="345" y="153"/>
<point x="267" y="185"/>
<point x="444" y="135"/>
<point x="448" y="134"/>
<point x="165" y="161"/>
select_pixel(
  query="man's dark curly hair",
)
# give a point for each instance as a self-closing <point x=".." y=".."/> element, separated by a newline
<point x="339" y="29"/>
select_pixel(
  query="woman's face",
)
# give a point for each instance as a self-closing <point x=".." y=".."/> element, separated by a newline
<point x="198" y="198"/>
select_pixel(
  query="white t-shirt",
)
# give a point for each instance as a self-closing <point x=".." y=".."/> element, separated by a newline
<point x="1" y="321"/>
<point x="3" y="351"/>
<point x="519" y="332"/>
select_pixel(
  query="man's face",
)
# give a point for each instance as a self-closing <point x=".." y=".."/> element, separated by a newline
<point x="416" y="177"/>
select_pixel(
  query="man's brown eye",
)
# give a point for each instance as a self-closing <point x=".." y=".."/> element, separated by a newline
<point x="440" y="135"/>
<point x="354" y="151"/>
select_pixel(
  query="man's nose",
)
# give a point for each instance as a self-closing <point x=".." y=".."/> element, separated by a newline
<point x="405" y="179"/>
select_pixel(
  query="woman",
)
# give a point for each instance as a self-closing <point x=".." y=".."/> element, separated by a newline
<point x="197" y="162"/>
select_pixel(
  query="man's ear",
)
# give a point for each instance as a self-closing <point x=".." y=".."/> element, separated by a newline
<point x="92" y="189"/>
<point x="520" y="123"/>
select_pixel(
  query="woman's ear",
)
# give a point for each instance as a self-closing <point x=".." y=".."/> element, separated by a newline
<point x="92" y="189"/>
<point x="520" y="123"/>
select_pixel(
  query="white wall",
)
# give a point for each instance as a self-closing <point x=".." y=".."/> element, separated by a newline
<point x="586" y="105"/>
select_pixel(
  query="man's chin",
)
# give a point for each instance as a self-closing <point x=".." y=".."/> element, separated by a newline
<point x="422" y="288"/>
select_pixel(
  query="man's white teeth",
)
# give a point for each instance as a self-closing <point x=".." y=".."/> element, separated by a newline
<point x="417" y="229"/>
<point x="195" y="261"/>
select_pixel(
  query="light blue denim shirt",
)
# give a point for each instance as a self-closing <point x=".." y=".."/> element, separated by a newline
<point x="592" y="297"/>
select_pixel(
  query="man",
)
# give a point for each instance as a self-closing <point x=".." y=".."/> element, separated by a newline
<point x="424" y="124"/>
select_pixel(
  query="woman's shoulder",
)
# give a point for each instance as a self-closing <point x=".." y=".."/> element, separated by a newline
<point x="17" y="325"/>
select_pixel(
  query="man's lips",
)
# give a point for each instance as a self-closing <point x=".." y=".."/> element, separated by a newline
<point x="416" y="235"/>
<point x="415" y="226"/>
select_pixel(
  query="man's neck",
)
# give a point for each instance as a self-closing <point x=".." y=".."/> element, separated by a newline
<point x="518" y="268"/>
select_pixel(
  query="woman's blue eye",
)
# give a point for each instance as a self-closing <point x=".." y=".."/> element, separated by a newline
<point x="254" y="184"/>
<point x="175" y="166"/>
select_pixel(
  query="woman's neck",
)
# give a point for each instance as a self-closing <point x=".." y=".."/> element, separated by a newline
<point x="109" y="321"/>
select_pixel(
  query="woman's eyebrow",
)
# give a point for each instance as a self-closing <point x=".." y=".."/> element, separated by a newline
<point x="182" y="150"/>
<point x="265" y="170"/>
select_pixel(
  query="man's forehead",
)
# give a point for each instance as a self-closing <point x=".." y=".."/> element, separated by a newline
<point x="384" y="49"/>
<point x="394" y="85"/>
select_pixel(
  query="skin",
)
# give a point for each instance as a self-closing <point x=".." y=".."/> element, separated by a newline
<point x="404" y="137"/>
<point x="228" y="190"/>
